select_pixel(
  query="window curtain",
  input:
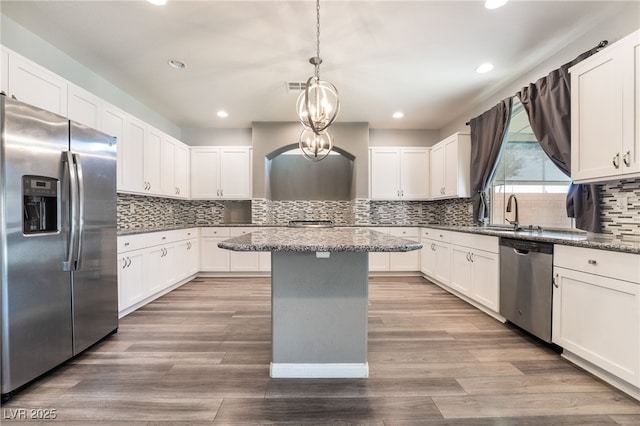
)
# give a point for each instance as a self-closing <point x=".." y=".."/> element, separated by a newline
<point x="488" y="131"/>
<point x="548" y="105"/>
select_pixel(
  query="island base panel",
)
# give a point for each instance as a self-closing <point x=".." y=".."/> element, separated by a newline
<point x="319" y="314"/>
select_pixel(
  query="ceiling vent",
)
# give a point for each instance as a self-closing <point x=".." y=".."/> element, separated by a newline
<point x="295" y="86"/>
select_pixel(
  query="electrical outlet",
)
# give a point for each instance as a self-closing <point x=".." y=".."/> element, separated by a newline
<point x="213" y="210"/>
<point x="470" y="208"/>
<point x="132" y="209"/>
<point x="622" y="204"/>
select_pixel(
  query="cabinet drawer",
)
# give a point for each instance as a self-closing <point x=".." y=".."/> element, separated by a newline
<point x="410" y="233"/>
<point x="621" y="266"/>
<point x="214" y="232"/>
<point x="186" y="234"/>
<point x="436" y="234"/>
<point x="477" y="242"/>
<point x="236" y="232"/>
<point x="157" y="238"/>
<point x="131" y="242"/>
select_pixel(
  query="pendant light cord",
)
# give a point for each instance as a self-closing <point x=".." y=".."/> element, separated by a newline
<point x="317" y="64"/>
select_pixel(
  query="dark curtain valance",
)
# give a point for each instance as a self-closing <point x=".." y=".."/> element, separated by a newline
<point x="548" y="105"/>
<point x="488" y="131"/>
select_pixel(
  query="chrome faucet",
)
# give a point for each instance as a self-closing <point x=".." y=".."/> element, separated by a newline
<point x="516" y="221"/>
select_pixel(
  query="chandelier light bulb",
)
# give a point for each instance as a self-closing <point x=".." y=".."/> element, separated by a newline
<point x="314" y="146"/>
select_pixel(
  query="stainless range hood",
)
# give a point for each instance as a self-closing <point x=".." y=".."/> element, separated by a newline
<point x="291" y="177"/>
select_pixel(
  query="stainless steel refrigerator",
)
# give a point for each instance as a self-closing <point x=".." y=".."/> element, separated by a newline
<point x="58" y="240"/>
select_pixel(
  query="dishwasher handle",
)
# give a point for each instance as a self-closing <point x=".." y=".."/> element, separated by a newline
<point x="520" y="252"/>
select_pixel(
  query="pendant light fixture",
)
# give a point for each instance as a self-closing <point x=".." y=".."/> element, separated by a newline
<point x="318" y="106"/>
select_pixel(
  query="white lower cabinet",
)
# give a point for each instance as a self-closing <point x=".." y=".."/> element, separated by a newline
<point x="596" y="312"/>
<point x="243" y="261"/>
<point x="187" y="258"/>
<point x="467" y="263"/>
<point x="159" y="265"/>
<point x="149" y="265"/>
<point x="264" y="258"/>
<point x="212" y="257"/>
<point x="398" y="261"/>
<point x="435" y="256"/>
<point x="130" y="278"/>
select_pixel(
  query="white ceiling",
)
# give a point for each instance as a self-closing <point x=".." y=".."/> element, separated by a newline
<point x="383" y="56"/>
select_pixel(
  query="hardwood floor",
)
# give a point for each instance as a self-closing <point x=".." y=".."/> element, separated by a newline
<point x="200" y="355"/>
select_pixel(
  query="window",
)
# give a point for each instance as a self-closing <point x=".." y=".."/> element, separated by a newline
<point x="525" y="171"/>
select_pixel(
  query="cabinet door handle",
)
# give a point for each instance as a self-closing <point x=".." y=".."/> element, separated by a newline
<point x="555" y="281"/>
<point x="468" y="260"/>
<point x="124" y="263"/>
<point x="591" y="262"/>
<point x="471" y="257"/>
<point x="616" y="161"/>
<point x="433" y="247"/>
<point x="627" y="159"/>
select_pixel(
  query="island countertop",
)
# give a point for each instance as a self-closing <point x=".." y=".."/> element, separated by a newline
<point x="319" y="240"/>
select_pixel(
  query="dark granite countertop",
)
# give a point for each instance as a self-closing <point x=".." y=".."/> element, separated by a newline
<point x="570" y="238"/>
<point x="338" y="239"/>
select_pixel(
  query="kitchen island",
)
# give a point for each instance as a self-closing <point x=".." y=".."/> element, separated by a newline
<point x="319" y="297"/>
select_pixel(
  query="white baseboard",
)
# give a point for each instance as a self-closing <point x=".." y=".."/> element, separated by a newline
<point x="320" y="371"/>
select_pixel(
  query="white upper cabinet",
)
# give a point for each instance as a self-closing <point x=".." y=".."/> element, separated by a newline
<point x="221" y="172"/>
<point x="205" y="171"/>
<point x="175" y="168"/>
<point x="399" y="173"/>
<point x="131" y="158"/>
<point x="151" y="163"/>
<point x="113" y="123"/>
<point x="450" y="167"/>
<point x="4" y="71"/>
<point x="605" y="113"/>
<point x="37" y="86"/>
<point x="181" y="169"/>
<point x="235" y="173"/>
<point x="84" y="107"/>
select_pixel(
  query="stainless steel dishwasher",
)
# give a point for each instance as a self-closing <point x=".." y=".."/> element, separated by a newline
<point x="526" y="282"/>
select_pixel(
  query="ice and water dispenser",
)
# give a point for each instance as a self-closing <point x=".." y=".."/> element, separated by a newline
<point x="39" y="204"/>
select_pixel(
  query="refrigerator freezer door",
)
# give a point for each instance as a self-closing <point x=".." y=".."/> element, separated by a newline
<point x="36" y="293"/>
<point x="95" y="277"/>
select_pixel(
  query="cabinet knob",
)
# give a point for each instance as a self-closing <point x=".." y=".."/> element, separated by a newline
<point x="591" y="262"/>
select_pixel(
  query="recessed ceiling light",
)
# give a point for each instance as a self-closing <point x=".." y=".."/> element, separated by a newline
<point x="158" y="2"/>
<point x="398" y="114"/>
<point x="486" y="67"/>
<point x="174" y="63"/>
<point x="494" y="4"/>
<point x="222" y="114"/>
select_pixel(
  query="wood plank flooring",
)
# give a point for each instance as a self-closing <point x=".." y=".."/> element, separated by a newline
<point x="200" y="355"/>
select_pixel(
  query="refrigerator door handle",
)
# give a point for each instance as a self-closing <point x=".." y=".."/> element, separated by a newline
<point x="67" y="265"/>
<point x="80" y="210"/>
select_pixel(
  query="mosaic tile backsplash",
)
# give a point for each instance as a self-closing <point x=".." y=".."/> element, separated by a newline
<point x="615" y="221"/>
<point x="143" y="212"/>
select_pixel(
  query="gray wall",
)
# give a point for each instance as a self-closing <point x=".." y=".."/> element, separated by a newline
<point x="270" y="136"/>
<point x="27" y="44"/>
<point x="610" y="28"/>
<point x="219" y="137"/>
<point x="404" y="137"/>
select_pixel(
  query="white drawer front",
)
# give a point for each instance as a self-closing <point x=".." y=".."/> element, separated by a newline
<point x="131" y="242"/>
<point x="410" y="233"/>
<point x="617" y="265"/>
<point x="477" y="242"/>
<point x="158" y="238"/>
<point x="186" y="234"/>
<point x="436" y="234"/>
<point x="214" y="232"/>
<point x="236" y="232"/>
